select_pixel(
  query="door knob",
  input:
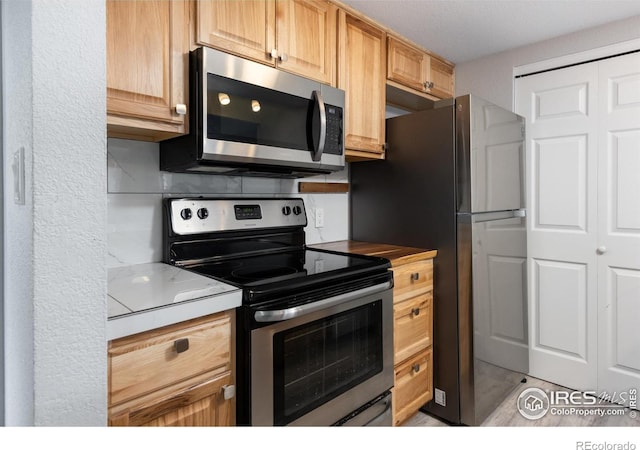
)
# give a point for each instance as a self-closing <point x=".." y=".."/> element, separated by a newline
<point x="601" y="250"/>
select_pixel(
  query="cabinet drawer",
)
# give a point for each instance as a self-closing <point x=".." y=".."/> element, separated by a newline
<point x="146" y="362"/>
<point x="412" y="279"/>
<point x="413" y="386"/>
<point x="412" y="326"/>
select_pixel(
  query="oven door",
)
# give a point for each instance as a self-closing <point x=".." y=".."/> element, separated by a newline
<point x="317" y="367"/>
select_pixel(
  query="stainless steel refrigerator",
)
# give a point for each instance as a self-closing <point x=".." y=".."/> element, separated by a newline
<point x="453" y="180"/>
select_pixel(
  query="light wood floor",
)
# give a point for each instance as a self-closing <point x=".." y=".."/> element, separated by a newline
<point x="507" y="414"/>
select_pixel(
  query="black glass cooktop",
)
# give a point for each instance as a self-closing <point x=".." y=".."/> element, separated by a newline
<point x="295" y="268"/>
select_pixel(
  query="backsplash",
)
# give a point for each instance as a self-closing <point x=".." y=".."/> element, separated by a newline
<point x="136" y="188"/>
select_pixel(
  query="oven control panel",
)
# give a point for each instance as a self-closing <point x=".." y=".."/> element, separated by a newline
<point x="201" y="215"/>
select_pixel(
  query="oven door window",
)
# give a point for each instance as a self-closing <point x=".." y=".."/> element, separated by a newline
<point x="316" y="362"/>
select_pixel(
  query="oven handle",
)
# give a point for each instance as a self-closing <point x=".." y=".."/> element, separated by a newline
<point x="387" y="407"/>
<point x="278" y="315"/>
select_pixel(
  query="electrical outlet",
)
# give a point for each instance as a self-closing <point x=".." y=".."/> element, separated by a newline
<point x="319" y="217"/>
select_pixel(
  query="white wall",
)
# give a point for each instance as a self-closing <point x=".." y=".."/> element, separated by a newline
<point x="136" y="188"/>
<point x="491" y="77"/>
<point x="55" y="244"/>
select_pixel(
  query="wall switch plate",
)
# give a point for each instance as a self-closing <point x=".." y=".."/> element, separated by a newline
<point x="319" y="217"/>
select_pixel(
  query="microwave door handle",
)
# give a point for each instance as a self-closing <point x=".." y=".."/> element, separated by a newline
<point x="317" y="154"/>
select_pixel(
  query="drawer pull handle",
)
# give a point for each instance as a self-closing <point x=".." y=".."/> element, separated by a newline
<point x="181" y="345"/>
<point x="415" y="276"/>
<point x="416" y="368"/>
<point x="415" y="311"/>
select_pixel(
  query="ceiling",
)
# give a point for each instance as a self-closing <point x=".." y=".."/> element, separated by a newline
<point x="463" y="30"/>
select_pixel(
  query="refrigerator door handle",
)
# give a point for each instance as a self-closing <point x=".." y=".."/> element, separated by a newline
<point x="493" y="215"/>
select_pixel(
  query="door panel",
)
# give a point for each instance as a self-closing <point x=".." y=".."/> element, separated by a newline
<point x="560" y="183"/>
<point x="584" y="233"/>
<point x="619" y="225"/>
<point x="561" y="330"/>
<point x="562" y="122"/>
<point x="624" y="160"/>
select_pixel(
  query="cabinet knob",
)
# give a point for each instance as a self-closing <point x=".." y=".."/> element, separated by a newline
<point x="415" y="311"/>
<point x="284" y="57"/>
<point x="181" y="109"/>
<point x="274" y="53"/>
<point x="428" y="85"/>
<point x="415" y="276"/>
<point x="181" y="345"/>
<point x="416" y="368"/>
<point x="601" y="250"/>
<point x="228" y="391"/>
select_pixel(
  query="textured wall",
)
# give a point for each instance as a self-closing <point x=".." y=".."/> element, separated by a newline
<point x="492" y="77"/>
<point x="56" y="304"/>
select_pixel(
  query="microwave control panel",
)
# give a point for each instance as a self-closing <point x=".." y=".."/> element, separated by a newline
<point x="333" y="139"/>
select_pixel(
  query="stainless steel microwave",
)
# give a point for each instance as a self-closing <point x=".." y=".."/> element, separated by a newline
<point x="250" y="119"/>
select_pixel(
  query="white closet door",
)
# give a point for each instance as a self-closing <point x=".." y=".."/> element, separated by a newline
<point x="619" y="225"/>
<point x="560" y="108"/>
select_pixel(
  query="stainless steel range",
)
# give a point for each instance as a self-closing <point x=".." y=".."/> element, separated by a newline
<point x="315" y="331"/>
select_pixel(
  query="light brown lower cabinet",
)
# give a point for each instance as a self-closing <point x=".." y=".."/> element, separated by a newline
<point x="180" y="375"/>
<point x="413" y="337"/>
<point x="413" y="385"/>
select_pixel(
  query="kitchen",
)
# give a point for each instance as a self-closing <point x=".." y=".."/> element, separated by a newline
<point x="74" y="316"/>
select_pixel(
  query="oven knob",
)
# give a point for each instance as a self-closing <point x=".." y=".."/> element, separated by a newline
<point x="203" y="213"/>
<point x="297" y="210"/>
<point x="286" y="210"/>
<point x="186" y="214"/>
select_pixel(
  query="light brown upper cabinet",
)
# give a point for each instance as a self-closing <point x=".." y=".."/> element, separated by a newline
<point x="298" y="36"/>
<point x="361" y="74"/>
<point x="416" y="69"/>
<point x="147" y="64"/>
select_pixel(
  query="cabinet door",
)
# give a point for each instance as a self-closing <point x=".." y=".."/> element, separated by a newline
<point x="150" y="361"/>
<point x="306" y="33"/>
<point x="200" y="405"/>
<point x="413" y="386"/>
<point x="412" y="326"/>
<point x="412" y="279"/>
<point x="362" y="76"/>
<point x="245" y="28"/>
<point x="407" y="65"/>
<point x="147" y="63"/>
<point x="441" y="75"/>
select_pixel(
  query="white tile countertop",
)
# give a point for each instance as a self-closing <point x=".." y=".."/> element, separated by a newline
<point x="143" y="297"/>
